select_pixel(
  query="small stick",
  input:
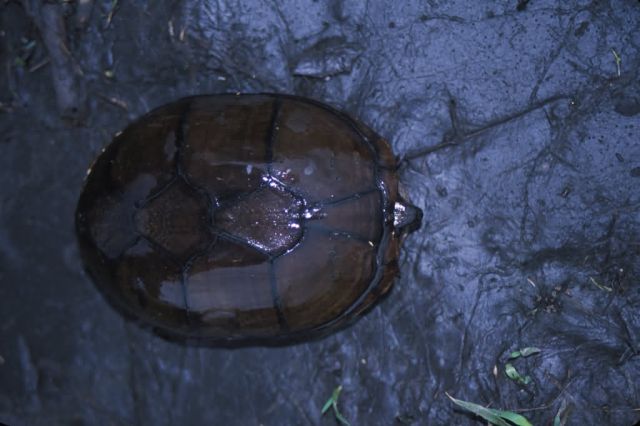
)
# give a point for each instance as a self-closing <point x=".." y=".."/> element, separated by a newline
<point x="114" y="101"/>
<point x="39" y="65"/>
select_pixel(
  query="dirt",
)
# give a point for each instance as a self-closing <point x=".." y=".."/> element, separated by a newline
<point x="518" y="124"/>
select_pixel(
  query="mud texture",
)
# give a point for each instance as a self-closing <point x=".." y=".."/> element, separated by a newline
<point x="518" y="123"/>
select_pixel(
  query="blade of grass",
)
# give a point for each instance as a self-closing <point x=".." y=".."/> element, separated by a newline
<point x="524" y="352"/>
<point x="112" y="11"/>
<point x="326" y="405"/>
<point x="561" y="416"/>
<point x="514" y="418"/>
<point x="332" y="402"/>
<point x="513" y="374"/>
<point x="495" y="417"/>
<point x="618" y="60"/>
<point x="339" y="416"/>
<point x="333" y="399"/>
<point x="600" y="286"/>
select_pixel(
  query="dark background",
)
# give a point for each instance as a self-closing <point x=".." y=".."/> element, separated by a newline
<point x="524" y="153"/>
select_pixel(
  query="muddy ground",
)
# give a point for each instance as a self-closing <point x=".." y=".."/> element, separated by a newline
<point x="519" y="123"/>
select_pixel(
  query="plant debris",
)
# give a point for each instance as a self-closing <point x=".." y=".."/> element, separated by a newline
<point x="332" y="402"/>
<point x="495" y="417"/>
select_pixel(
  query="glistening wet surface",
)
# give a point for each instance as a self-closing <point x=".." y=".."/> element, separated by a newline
<point x="518" y="123"/>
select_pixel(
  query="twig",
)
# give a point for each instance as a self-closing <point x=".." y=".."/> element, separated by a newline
<point x="39" y="65"/>
<point x="114" y="101"/>
<point x="600" y="286"/>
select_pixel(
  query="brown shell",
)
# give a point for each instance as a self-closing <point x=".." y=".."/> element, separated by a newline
<point x="242" y="218"/>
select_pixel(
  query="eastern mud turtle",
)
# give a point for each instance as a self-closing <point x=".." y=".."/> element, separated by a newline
<point x="244" y="219"/>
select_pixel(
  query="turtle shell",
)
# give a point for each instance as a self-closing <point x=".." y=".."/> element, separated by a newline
<point x="242" y="218"/>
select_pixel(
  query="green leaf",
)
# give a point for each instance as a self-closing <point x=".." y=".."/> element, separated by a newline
<point x="513" y="374"/>
<point x="524" y="352"/>
<point x="561" y="416"/>
<point x="30" y="45"/>
<point x="339" y="416"/>
<point x="332" y="402"/>
<point x="495" y="417"/>
<point x="326" y="405"/>
<point x="514" y="418"/>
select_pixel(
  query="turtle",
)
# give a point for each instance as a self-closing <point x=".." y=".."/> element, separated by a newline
<point x="243" y="219"/>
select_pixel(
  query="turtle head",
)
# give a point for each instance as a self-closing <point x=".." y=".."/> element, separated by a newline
<point x="406" y="217"/>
